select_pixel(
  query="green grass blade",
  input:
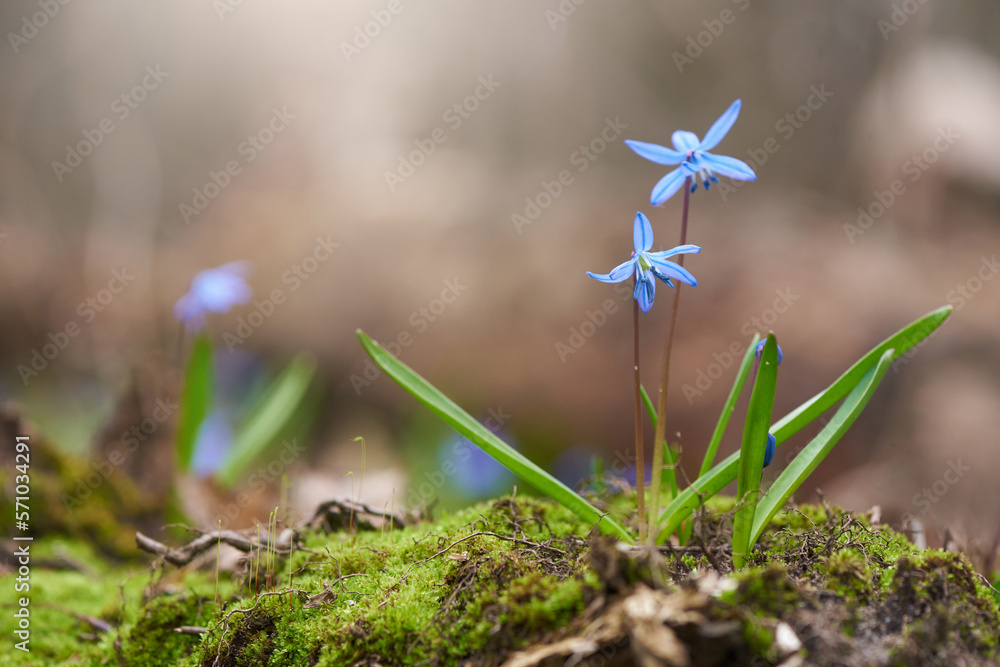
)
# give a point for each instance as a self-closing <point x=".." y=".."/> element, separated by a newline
<point x="792" y="477"/>
<point x="464" y="423"/>
<point x="276" y="407"/>
<point x="727" y="410"/>
<point x="725" y="472"/>
<point x="752" y="451"/>
<point x="650" y="408"/>
<point x="196" y="399"/>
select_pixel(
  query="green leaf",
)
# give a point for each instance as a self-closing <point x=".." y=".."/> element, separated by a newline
<point x="792" y="477"/>
<point x="464" y="423"/>
<point x="727" y="410"/>
<point x="650" y="408"/>
<point x="274" y="410"/>
<point x="196" y="399"/>
<point x="752" y="451"/>
<point x="725" y="472"/>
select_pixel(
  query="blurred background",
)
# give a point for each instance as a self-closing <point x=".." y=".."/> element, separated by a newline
<point x="442" y="176"/>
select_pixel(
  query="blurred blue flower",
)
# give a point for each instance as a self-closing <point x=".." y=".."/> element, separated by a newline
<point x="644" y="265"/>
<point x="215" y="435"/>
<point x="213" y="290"/>
<point x="693" y="157"/>
<point x="769" y="451"/>
<point x="476" y="474"/>
<point x="760" y="351"/>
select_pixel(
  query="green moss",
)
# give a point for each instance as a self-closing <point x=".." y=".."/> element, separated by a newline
<point x="848" y="573"/>
<point x="768" y="590"/>
<point x="152" y="640"/>
<point x="482" y="582"/>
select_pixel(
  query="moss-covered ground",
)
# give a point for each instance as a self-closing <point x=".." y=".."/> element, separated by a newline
<point x="479" y="585"/>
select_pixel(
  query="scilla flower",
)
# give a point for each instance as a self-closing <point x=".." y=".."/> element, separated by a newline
<point x="644" y="265"/>
<point x="694" y="159"/>
<point x="213" y="290"/>
<point x="769" y="451"/>
<point x="760" y="350"/>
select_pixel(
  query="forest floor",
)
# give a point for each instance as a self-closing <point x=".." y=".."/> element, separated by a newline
<point x="516" y="581"/>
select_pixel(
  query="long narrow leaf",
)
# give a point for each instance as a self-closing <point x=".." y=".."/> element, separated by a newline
<point x="650" y="409"/>
<point x="464" y="423"/>
<point x="752" y="451"/>
<point x="274" y="411"/>
<point x="727" y="410"/>
<point x="196" y="399"/>
<point x="725" y="472"/>
<point x="801" y="467"/>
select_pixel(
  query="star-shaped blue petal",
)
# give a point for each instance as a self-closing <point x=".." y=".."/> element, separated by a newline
<point x="646" y="265"/>
<point x="693" y="158"/>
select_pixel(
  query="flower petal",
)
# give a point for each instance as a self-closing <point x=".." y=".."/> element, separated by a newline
<point x="772" y="442"/>
<point x="674" y="270"/>
<point x="728" y="166"/>
<point x="655" y="152"/>
<point x="685" y="141"/>
<point x="668" y="186"/>
<point x="618" y="274"/>
<point x="219" y="291"/>
<point x="642" y="233"/>
<point x="679" y="250"/>
<point x="190" y="311"/>
<point x="212" y="442"/>
<point x="760" y="350"/>
<point x="645" y="291"/>
<point x="721" y="127"/>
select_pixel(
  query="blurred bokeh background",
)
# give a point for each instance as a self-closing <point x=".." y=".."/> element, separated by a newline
<point x="443" y="174"/>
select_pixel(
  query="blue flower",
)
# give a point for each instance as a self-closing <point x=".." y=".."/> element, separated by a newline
<point x="694" y="159"/>
<point x="769" y="451"/>
<point x="213" y="290"/>
<point x="760" y="350"/>
<point x="212" y="443"/>
<point x="644" y="265"/>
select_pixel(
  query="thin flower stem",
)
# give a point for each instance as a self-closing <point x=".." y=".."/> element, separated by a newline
<point x="640" y="457"/>
<point x="659" y="439"/>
